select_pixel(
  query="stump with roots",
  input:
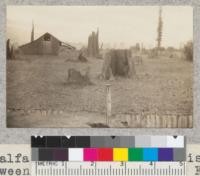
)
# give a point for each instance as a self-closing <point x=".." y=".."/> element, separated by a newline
<point x="75" y="77"/>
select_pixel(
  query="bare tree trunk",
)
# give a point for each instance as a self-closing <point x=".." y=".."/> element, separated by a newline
<point x="159" y="30"/>
<point x="93" y="44"/>
<point x="8" y="49"/>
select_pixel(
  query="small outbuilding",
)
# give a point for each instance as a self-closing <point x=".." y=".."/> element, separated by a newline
<point x="46" y="44"/>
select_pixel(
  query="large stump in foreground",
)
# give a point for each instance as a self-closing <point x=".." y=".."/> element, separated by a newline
<point x="118" y="63"/>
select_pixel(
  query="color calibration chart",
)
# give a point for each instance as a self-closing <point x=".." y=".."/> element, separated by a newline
<point x="108" y="155"/>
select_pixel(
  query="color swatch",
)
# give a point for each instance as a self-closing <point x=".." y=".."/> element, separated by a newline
<point x="120" y="154"/>
<point x="107" y="154"/>
<point x="119" y="148"/>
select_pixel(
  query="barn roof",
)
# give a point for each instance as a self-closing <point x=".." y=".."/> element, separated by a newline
<point x="62" y="43"/>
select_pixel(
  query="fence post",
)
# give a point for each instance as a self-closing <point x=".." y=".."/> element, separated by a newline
<point x="108" y="103"/>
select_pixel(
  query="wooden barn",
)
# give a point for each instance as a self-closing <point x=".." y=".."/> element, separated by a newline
<point x="46" y="44"/>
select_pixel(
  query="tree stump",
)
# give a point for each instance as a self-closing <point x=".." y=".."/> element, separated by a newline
<point x="75" y="77"/>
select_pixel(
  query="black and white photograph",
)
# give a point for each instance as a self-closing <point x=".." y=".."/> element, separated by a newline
<point x="99" y="66"/>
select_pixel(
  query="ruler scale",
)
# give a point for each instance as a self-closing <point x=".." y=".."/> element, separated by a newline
<point x="108" y="168"/>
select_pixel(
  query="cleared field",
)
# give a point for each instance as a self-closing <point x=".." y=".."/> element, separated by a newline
<point x="38" y="96"/>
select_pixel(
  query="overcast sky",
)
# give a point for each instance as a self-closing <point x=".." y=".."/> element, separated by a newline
<point x="118" y="25"/>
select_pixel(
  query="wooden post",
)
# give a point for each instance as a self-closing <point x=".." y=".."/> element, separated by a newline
<point x="108" y="103"/>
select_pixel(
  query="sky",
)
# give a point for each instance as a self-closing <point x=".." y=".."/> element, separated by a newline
<point x="119" y="26"/>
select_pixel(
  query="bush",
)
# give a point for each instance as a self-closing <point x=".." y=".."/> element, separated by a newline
<point x="188" y="51"/>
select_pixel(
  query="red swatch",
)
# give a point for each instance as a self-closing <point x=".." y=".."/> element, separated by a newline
<point x="105" y="154"/>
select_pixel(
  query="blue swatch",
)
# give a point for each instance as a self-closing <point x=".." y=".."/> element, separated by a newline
<point x="150" y="154"/>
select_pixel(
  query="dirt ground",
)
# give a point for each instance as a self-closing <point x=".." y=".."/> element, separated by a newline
<point x="38" y="96"/>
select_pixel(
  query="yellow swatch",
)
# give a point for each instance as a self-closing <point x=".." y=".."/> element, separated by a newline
<point x="120" y="154"/>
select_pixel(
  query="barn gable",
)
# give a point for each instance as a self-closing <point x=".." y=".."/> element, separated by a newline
<point x="46" y="44"/>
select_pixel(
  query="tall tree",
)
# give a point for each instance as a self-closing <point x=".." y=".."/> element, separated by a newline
<point x="159" y="29"/>
<point x="32" y="32"/>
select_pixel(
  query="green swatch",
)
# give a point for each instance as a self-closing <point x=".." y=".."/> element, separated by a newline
<point x="135" y="154"/>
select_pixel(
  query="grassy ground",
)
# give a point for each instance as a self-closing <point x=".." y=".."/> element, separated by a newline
<point x="163" y="85"/>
